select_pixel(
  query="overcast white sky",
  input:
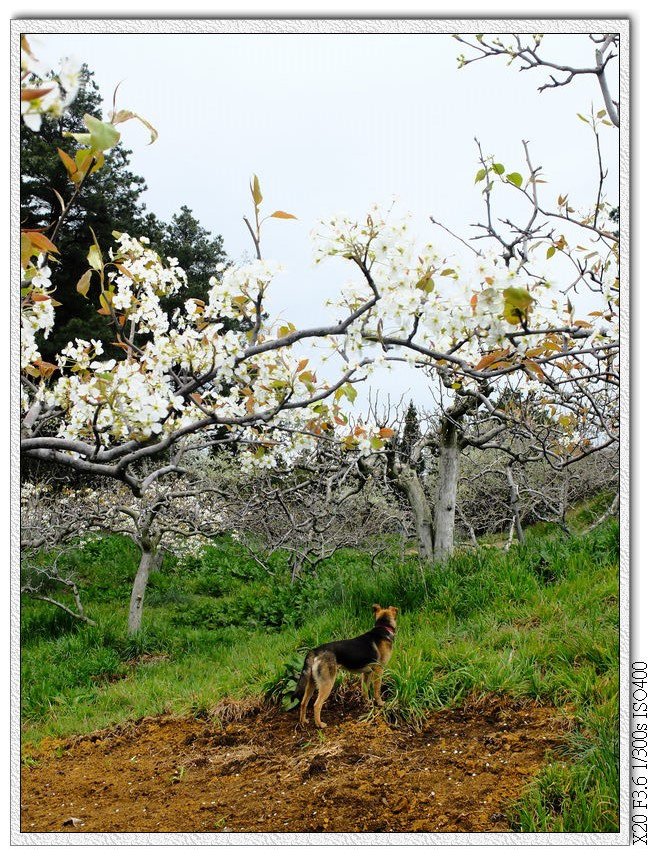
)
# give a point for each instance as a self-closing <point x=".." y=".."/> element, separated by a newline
<point x="334" y="123"/>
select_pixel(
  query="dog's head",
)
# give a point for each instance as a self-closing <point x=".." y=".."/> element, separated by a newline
<point x="385" y="614"/>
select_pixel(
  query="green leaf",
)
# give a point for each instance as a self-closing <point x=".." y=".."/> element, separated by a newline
<point x="256" y="191"/>
<point x="83" y="159"/>
<point x="498" y="168"/>
<point x="94" y="257"/>
<point x="286" y="329"/>
<point x="81" y="137"/>
<point x="515" y="178"/>
<point x="25" y="249"/>
<point x="480" y="175"/>
<point x="550" y="252"/>
<point x="104" y="306"/>
<point x="426" y="284"/>
<point x="103" y="136"/>
<point x="517" y="303"/>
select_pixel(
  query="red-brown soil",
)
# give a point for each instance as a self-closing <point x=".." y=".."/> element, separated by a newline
<point x="253" y="769"/>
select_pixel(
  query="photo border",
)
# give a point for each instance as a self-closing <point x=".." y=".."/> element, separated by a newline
<point x="285" y="24"/>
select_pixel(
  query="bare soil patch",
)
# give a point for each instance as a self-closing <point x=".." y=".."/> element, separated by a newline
<point x="251" y="768"/>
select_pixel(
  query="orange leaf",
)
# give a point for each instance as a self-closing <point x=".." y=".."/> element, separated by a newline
<point x="535" y="368"/>
<point x="29" y="93"/>
<point x="104" y="306"/>
<point x="40" y="241"/>
<point x="45" y="369"/>
<point x="68" y="161"/>
<point x="386" y="433"/>
<point x="489" y="359"/>
<point x="126" y="271"/>
<point x="84" y="283"/>
<point x="282" y="214"/>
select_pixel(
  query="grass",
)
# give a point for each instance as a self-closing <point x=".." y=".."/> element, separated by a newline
<point x="540" y="621"/>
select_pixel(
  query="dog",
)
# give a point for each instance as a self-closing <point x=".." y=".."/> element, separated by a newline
<point x="367" y="655"/>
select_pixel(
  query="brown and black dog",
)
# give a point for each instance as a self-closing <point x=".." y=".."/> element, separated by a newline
<point x="367" y="655"/>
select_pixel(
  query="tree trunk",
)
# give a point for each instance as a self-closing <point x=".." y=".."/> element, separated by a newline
<point x="157" y="560"/>
<point x="446" y="491"/>
<point x="408" y="481"/>
<point x="139" y="587"/>
<point x="514" y="505"/>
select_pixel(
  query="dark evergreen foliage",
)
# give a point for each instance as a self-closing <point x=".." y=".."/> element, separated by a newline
<point x="110" y="200"/>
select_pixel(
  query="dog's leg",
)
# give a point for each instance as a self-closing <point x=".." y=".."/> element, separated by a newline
<point x="325" y="686"/>
<point x="324" y="672"/>
<point x="364" y="685"/>
<point x="376" y="683"/>
<point x="306" y="697"/>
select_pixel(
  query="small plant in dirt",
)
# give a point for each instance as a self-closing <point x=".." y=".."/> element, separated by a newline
<point x="280" y="690"/>
<point x="178" y="775"/>
<point x="29" y="761"/>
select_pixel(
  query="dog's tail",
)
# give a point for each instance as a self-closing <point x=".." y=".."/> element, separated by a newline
<point x="304" y="676"/>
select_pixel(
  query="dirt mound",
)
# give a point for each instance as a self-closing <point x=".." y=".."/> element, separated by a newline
<point x="263" y="773"/>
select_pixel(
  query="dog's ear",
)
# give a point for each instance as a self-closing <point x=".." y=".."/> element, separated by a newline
<point x="376" y="608"/>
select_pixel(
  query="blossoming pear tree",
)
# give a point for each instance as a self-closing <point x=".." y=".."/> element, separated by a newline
<point x="179" y="375"/>
<point x="512" y="325"/>
<point x="474" y="334"/>
<point x="179" y="378"/>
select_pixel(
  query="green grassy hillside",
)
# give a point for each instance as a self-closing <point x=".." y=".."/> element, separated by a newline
<point x="540" y="621"/>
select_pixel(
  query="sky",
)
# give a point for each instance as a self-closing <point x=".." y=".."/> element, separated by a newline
<point x="334" y="123"/>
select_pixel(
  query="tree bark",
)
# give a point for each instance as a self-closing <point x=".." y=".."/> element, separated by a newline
<point x="140" y="586"/>
<point x="408" y="481"/>
<point x="157" y="559"/>
<point x="446" y="491"/>
<point x="514" y="505"/>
